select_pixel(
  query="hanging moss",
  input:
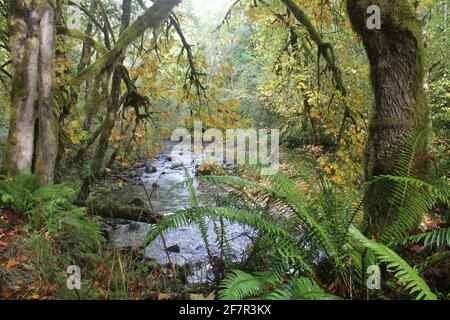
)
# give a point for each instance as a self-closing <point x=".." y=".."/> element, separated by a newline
<point x="152" y="18"/>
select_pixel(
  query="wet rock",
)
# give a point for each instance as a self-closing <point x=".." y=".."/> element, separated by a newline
<point x="105" y="229"/>
<point x="133" y="227"/>
<point x="209" y="170"/>
<point x="140" y="165"/>
<point x="150" y="169"/>
<point x="163" y="157"/>
<point x="177" y="165"/>
<point x="174" y="249"/>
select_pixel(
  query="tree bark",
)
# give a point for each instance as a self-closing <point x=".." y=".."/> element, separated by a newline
<point x="48" y="137"/>
<point x="315" y="123"/>
<point x="396" y="61"/>
<point x="25" y="52"/>
<point x="113" y="108"/>
<point x="116" y="150"/>
<point x="87" y="47"/>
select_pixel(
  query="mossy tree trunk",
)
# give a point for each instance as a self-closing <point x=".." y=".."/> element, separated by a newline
<point x="33" y="45"/>
<point x="111" y="111"/>
<point x="396" y="61"/>
<point x="113" y="107"/>
<point x="24" y="23"/>
<point x="48" y="133"/>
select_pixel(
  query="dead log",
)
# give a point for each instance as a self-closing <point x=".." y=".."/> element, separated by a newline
<point x="126" y="212"/>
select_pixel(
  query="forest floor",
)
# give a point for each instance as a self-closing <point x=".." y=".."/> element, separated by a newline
<point x="28" y="271"/>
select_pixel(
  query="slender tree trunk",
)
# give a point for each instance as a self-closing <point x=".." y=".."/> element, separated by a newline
<point x="315" y="123"/>
<point x="87" y="49"/>
<point x="396" y="61"/>
<point x="98" y="95"/>
<point x="113" y="108"/>
<point x="48" y="138"/>
<point x="116" y="150"/>
<point x="111" y="112"/>
<point x="25" y="51"/>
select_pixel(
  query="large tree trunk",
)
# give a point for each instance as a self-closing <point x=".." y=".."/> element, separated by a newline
<point x="396" y="61"/>
<point x="33" y="45"/>
<point x="25" y="51"/>
<point x="48" y="137"/>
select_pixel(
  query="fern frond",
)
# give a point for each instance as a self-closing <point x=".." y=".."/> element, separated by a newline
<point x="435" y="238"/>
<point x="405" y="274"/>
<point x="286" y="190"/>
<point x="240" y="285"/>
<point x="412" y="198"/>
<point x="300" y="289"/>
<point x="408" y="155"/>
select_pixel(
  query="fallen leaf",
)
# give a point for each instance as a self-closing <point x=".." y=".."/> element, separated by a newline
<point x="10" y="264"/>
<point x="4" y="294"/>
<point x="50" y="289"/>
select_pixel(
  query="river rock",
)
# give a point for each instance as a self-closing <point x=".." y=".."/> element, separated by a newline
<point x="177" y="165"/>
<point x="163" y="157"/>
<point x="150" y="169"/>
<point x="174" y="249"/>
<point x="133" y="226"/>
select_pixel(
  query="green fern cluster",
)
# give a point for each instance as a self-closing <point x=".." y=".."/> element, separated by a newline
<point x="50" y="207"/>
<point x="405" y="197"/>
<point x="316" y="236"/>
<point x="240" y="285"/>
<point x="300" y="234"/>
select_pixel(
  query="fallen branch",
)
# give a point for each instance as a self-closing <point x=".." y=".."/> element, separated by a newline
<point x="123" y="212"/>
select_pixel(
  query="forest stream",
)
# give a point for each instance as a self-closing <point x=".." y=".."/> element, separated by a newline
<point x="332" y="118"/>
<point x="185" y="244"/>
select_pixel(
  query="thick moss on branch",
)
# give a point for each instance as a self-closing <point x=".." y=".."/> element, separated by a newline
<point x="152" y="18"/>
<point x="326" y="49"/>
<point x="77" y="34"/>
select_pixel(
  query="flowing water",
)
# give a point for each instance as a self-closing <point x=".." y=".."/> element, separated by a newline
<point x="170" y="170"/>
